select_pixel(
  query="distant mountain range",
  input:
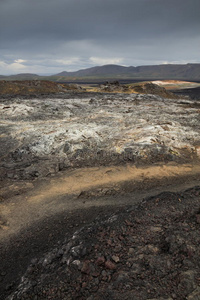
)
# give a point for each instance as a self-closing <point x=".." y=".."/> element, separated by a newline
<point x="22" y="76"/>
<point x="107" y="72"/>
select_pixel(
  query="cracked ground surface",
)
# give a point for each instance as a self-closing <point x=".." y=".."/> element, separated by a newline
<point x="40" y="137"/>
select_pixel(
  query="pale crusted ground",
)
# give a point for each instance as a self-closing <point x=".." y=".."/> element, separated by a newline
<point x="39" y="137"/>
<point x="176" y="84"/>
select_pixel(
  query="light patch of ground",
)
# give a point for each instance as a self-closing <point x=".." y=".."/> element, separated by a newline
<point x="86" y="179"/>
<point x="77" y="190"/>
<point x="17" y="109"/>
<point x="176" y="84"/>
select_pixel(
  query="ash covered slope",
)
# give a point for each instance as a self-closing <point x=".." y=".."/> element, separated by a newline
<point x="139" y="88"/>
<point x="41" y="136"/>
<point x="27" y="87"/>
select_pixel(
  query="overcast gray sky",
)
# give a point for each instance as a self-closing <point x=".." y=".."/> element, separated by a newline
<point x="50" y="36"/>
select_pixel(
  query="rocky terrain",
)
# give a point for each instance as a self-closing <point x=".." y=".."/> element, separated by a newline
<point x="150" y="251"/>
<point x="41" y="136"/>
<point x="138" y="88"/>
<point x="35" y="87"/>
<point x="76" y="172"/>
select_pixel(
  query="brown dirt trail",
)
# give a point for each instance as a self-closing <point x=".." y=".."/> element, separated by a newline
<point x="88" y="187"/>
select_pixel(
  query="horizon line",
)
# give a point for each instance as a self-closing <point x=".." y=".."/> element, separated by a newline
<point x="53" y="74"/>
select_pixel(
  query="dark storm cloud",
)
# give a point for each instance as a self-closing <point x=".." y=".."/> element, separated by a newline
<point x="90" y="19"/>
<point x="44" y="30"/>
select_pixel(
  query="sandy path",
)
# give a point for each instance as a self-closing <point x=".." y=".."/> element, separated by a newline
<point x="111" y="177"/>
<point x="66" y="192"/>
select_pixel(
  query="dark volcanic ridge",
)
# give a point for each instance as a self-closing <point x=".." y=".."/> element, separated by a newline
<point x="193" y="93"/>
<point x="39" y="87"/>
<point x="34" y="87"/>
<point x="137" y="88"/>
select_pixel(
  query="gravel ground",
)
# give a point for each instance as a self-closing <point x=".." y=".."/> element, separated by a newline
<point x="146" y="252"/>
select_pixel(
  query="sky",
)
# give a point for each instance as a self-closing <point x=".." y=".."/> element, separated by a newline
<point x="50" y="36"/>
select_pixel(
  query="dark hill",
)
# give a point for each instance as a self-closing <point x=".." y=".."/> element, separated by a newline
<point x="24" y="76"/>
<point x="94" y="71"/>
<point x="170" y="71"/>
<point x="189" y="72"/>
<point x="21" y="76"/>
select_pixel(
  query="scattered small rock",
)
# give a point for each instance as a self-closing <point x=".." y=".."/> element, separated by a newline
<point x="115" y="258"/>
<point x="109" y="265"/>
